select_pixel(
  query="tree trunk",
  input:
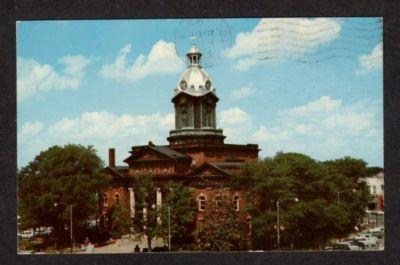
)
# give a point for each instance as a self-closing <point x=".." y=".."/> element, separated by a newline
<point x="149" y="242"/>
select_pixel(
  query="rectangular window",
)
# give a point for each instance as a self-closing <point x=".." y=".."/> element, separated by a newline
<point x="374" y="189"/>
<point x="105" y="199"/>
<point x="197" y="114"/>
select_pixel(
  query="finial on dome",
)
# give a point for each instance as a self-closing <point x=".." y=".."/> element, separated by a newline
<point x="194" y="55"/>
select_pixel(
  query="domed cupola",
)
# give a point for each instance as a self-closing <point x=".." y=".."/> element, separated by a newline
<point x="194" y="80"/>
<point x="195" y="103"/>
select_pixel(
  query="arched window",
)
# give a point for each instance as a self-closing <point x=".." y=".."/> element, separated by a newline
<point x="202" y="202"/>
<point x="116" y="199"/>
<point x="236" y="200"/>
<point x="105" y="199"/>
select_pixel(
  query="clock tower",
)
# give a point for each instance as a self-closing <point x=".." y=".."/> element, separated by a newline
<point x="195" y="101"/>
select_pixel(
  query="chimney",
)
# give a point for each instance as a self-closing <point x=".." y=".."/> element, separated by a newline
<point x="111" y="157"/>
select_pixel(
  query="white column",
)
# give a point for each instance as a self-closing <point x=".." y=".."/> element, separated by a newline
<point x="132" y="201"/>
<point x="159" y="197"/>
<point x="159" y="203"/>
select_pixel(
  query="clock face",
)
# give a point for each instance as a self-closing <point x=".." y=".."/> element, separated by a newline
<point x="183" y="85"/>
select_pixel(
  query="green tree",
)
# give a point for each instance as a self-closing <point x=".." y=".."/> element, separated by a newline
<point x="182" y="208"/>
<point x="121" y="221"/>
<point x="58" y="178"/>
<point x="317" y="216"/>
<point x="223" y="228"/>
<point x="146" y="221"/>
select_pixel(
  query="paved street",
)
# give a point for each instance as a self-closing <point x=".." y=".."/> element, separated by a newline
<point x="127" y="245"/>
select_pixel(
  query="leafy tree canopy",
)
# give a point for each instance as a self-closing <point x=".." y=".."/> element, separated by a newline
<point x="146" y="220"/>
<point x="57" y="178"/>
<point x="180" y="215"/>
<point x="319" y="214"/>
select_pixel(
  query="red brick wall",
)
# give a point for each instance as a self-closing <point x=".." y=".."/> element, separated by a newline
<point x="210" y="194"/>
<point x="123" y="193"/>
<point x="222" y="156"/>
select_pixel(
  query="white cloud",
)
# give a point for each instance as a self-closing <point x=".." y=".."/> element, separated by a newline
<point x="273" y="135"/>
<point x="244" y="64"/>
<point x="105" y="125"/>
<point x="243" y="92"/>
<point x="161" y="60"/>
<point x="233" y="117"/>
<point x="100" y="129"/>
<point x="321" y="106"/>
<point x="371" y="62"/>
<point x="30" y="128"/>
<point x="325" y="128"/>
<point x="281" y="38"/>
<point x="236" y="124"/>
<point x="75" y="65"/>
<point x="33" y="77"/>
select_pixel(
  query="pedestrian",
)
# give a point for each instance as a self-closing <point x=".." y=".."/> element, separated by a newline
<point x="137" y="248"/>
<point x="90" y="248"/>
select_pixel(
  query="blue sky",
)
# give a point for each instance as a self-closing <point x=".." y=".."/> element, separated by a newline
<point x="305" y="85"/>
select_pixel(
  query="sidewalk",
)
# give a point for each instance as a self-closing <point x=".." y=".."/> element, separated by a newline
<point x="126" y="245"/>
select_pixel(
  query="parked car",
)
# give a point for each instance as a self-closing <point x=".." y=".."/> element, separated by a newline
<point x="45" y="231"/>
<point x="26" y="234"/>
<point x="371" y="237"/>
<point x="365" y="241"/>
<point x="25" y="252"/>
<point x="377" y="231"/>
<point x="341" y="246"/>
<point x="378" y="234"/>
<point x="352" y="246"/>
<point x="355" y="243"/>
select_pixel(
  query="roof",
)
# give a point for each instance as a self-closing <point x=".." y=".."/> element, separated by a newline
<point x="222" y="167"/>
<point x="161" y="149"/>
<point x="195" y="81"/>
<point x="164" y="149"/>
<point x="227" y="165"/>
<point x="118" y="170"/>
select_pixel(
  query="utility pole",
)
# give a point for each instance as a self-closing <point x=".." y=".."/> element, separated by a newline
<point x="277" y="225"/>
<point x="71" y="230"/>
<point x="278" y="238"/>
<point x="169" y="228"/>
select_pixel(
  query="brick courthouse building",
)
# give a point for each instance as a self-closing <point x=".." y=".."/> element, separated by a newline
<point x="196" y="153"/>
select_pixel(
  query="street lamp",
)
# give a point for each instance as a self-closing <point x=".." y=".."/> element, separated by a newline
<point x="71" y="226"/>
<point x="169" y="225"/>
<point x="169" y="228"/>
<point x="72" y="233"/>
<point x="341" y="191"/>
<point x="278" y="202"/>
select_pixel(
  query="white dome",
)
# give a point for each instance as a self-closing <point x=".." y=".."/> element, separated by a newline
<point x="195" y="81"/>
